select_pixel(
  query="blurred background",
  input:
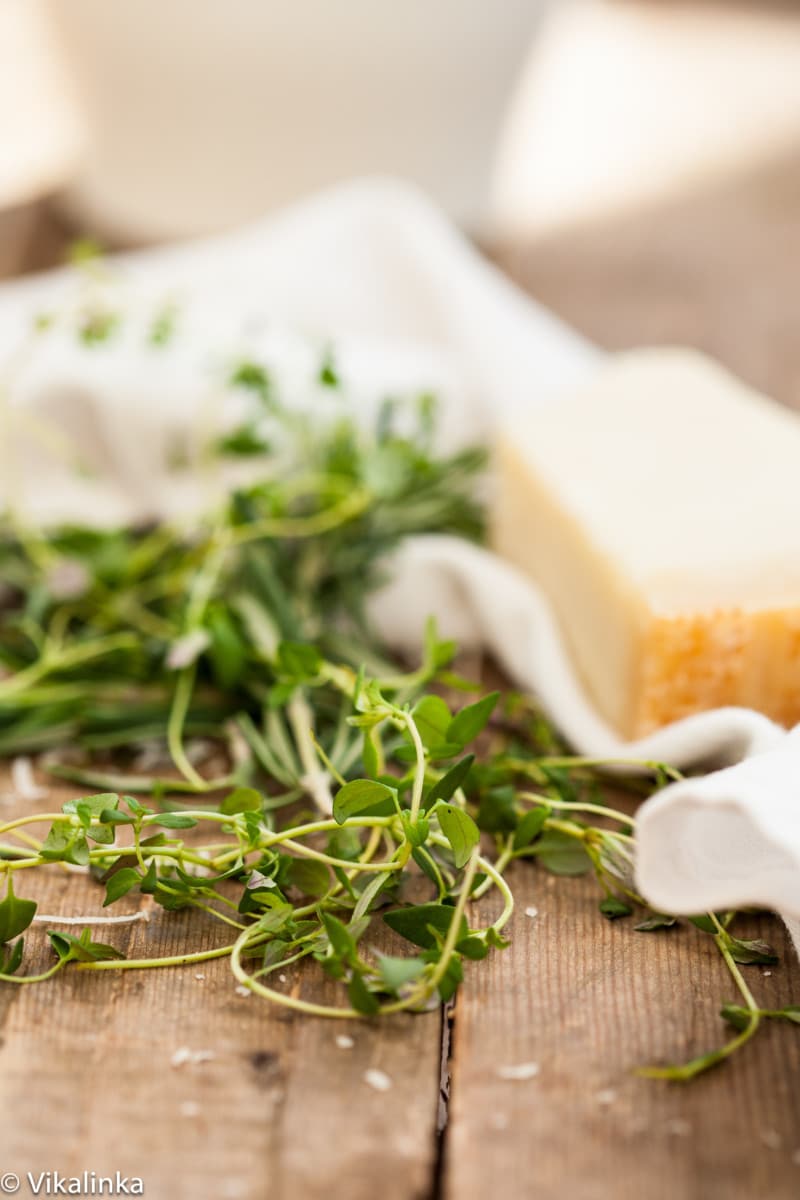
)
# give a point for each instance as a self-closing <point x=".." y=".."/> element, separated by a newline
<point x="633" y="163"/>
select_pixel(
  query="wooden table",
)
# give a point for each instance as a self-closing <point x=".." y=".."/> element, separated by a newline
<point x="281" y="1109"/>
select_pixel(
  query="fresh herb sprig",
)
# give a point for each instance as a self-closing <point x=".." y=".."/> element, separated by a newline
<point x="305" y="889"/>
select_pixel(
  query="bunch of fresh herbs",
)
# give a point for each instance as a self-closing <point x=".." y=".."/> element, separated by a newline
<point x="336" y="786"/>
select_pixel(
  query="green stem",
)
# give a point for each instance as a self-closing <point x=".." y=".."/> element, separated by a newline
<point x="33" y="978"/>
<point x="419" y="774"/>
<point x="175" y="960"/>
<point x="705" y="1062"/>
<point x="454" y="928"/>
<point x="61" y="660"/>
<point x="177" y="716"/>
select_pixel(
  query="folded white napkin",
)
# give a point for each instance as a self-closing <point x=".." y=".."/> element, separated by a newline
<point x="371" y="268"/>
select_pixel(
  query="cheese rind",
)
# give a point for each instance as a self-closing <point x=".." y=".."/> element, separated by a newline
<point x="659" y="509"/>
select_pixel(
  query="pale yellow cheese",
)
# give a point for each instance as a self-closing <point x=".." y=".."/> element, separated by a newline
<point x="659" y="509"/>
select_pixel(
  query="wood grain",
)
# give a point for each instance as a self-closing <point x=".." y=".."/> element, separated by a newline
<point x="589" y="1001"/>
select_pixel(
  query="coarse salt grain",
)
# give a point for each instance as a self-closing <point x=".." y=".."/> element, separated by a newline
<point x="23" y="782"/>
<point x="519" y="1072"/>
<point x="344" y="1042"/>
<point x="531" y="911"/>
<point x="185" y="1055"/>
<point x="378" y="1080"/>
<point x="241" y="990"/>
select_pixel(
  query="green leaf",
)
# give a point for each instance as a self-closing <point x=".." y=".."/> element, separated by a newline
<point x="416" y="831"/>
<point x="328" y="375"/>
<point x="299" y="660"/>
<point x="656" y="922"/>
<point x="432" y="718"/>
<point x="369" y="753"/>
<point x="705" y="923"/>
<point x="416" y="922"/>
<point x="749" y="952"/>
<point x="90" y="807"/>
<point x="149" y="881"/>
<point x="497" y="811"/>
<point x="363" y="797"/>
<point x="790" y="1013"/>
<point x="81" y="949"/>
<point x="112" y="816"/>
<point x="735" y="1015"/>
<point x="561" y="854"/>
<point x="531" y="826"/>
<point x="15" y="914"/>
<point x="227" y="651"/>
<point x="460" y="830"/>
<point x="613" y="909"/>
<point x="469" y="722"/>
<point x="396" y="973"/>
<point x="341" y="939"/>
<point x="449" y="783"/>
<point x="370" y="894"/>
<point x="442" y="751"/>
<point x="241" y="800"/>
<point x="310" y="876"/>
<point x="361" y="998"/>
<point x="175" y="820"/>
<point x="11" y="962"/>
<point x="344" y="843"/>
<point x="495" y="939"/>
<point x="425" y="864"/>
<point x="120" y="883"/>
<point x="252" y="376"/>
<point x="66" y="842"/>
<point x="453" y="976"/>
<point x="474" y="948"/>
<point x="439" y="752"/>
<point x="277" y="916"/>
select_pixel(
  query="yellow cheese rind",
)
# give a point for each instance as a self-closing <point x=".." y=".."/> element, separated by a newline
<point x="659" y="510"/>
<point x="690" y="664"/>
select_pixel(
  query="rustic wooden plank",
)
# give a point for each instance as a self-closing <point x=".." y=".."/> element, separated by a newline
<point x="281" y="1109"/>
<point x="589" y="1001"/>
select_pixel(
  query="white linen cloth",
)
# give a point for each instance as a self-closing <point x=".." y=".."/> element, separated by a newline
<point x="372" y="269"/>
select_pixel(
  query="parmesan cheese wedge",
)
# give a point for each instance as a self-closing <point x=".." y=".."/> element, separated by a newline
<point x="659" y="510"/>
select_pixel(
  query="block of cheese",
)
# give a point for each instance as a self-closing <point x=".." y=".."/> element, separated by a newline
<point x="659" y="509"/>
